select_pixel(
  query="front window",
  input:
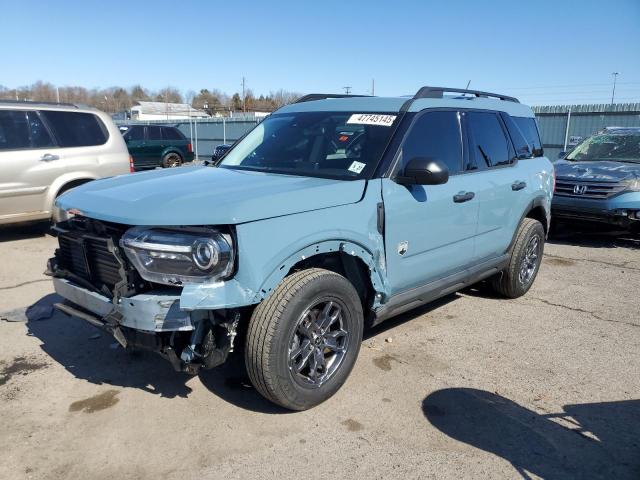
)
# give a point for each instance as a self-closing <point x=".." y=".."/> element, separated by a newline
<point x="341" y="145"/>
<point x="617" y="147"/>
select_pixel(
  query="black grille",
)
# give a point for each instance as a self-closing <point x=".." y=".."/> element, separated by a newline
<point x="587" y="189"/>
<point x="90" y="258"/>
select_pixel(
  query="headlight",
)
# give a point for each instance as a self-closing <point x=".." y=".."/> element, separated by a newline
<point x="177" y="256"/>
<point x="632" y="185"/>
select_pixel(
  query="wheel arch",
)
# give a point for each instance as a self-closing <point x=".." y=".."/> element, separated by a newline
<point x="537" y="210"/>
<point x="349" y="259"/>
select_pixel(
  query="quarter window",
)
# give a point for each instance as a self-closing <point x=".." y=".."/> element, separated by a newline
<point x="523" y="150"/>
<point x="171" y="134"/>
<point x="76" y="129"/>
<point x="529" y="129"/>
<point x="435" y="135"/>
<point x="488" y="141"/>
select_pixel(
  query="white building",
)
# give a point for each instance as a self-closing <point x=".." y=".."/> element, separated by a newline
<point x="165" y="111"/>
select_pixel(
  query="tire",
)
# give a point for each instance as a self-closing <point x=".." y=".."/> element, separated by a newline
<point x="526" y="256"/>
<point x="171" y="160"/>
<point x="287" y="328"/>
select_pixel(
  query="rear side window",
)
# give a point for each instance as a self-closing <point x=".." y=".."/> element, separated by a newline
<point x="488" y="141"/>
<point x="171" y="134"/>
<point x="22" y="129"/>
<point x="40" y="137"/>
<point x="517" y="138"/>
<point x="529" y="129"/>
<point x="153" y="133"/>
<point x="76" y="129"/>
<point x="435" y="135"/>
<point x="135" y="133"/>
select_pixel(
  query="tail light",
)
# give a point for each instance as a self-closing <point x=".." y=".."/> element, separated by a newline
<point x="131" y="167"/>
<point x="189" y="148"/>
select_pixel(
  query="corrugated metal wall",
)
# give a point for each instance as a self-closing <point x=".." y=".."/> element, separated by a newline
<point x="584" y="121"/>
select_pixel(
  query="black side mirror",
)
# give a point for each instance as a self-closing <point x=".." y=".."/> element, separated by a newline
<point x="424" y="171"/>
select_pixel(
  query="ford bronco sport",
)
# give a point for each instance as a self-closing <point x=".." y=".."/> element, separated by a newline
<point x="332" y="214"/>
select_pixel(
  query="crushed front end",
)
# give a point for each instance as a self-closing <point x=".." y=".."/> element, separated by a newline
<point x="109" y="276"/>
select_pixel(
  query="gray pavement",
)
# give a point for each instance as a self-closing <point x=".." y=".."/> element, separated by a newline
<point x="545" y="386"/>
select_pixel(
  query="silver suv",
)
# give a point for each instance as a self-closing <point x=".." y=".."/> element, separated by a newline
<point x="46" y="149"/>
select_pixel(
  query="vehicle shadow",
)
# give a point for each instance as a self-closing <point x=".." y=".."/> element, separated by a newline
<point x="10" y="233"/>
<point x="591" y="440"/>
<point x="74" y="344"/>
<point x="586" y="236"/>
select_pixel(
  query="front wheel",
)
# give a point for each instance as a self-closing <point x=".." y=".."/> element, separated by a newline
<point x="303" y="340"/>
<point x="526" y="256"/>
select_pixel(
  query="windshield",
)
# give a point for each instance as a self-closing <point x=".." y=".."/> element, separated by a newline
<point x="342" y="145"/>
<point x="609" y="146"/>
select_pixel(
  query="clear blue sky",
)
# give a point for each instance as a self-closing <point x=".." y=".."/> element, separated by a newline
<point x="543" y="51"/>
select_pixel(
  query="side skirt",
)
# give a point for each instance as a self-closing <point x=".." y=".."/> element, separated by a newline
<point x="418" y="296"/>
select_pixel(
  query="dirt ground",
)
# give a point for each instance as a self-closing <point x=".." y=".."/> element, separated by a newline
<point x="473" y="386"/>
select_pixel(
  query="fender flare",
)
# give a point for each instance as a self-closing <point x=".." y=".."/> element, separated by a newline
<point x="539" y="201"/>
<point x="319" y="248"/>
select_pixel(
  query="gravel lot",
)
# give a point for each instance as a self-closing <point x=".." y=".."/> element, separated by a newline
<point x="472" y="387"/>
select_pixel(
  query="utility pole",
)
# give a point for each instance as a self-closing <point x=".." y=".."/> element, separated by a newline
<point x="347" y="90"/>
<point x="373" y="87"/>
<point x="244" y="98"/>
<point x="58" y="94"/>
<point x="613" y="93"/>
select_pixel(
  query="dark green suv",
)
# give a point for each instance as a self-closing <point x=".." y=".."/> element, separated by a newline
<point x="153" y="146"/>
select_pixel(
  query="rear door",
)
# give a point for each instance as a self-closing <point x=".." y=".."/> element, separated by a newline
<point x="501" y="182"/>
<point x="29" y="162"/>
<point x="430" y="229"/>
<point x="155" y="146"/>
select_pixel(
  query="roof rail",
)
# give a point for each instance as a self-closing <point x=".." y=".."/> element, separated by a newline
<point x="322" y="96"/>
<point x="438" y="92"/>
<point x="33" y="102"/>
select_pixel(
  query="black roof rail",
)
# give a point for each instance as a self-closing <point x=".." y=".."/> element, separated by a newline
<point x="33" y="102"/>
<point x="322" y="96"/>
<point x="438" y="92"/>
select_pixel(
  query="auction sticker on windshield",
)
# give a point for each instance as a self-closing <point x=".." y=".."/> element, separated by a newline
<point x="357" y="167"/>
<point x="372" y="119"/>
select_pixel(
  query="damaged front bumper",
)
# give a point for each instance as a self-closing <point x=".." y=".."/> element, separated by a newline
<point x="190" y="340"/>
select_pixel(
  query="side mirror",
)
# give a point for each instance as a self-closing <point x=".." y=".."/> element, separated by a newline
<point x="561" y="155"/>
<point x="424" y="171"/>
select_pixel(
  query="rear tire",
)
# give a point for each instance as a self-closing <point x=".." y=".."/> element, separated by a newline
<point x="171" y="160"/>
<point x="303" y="340"/>
<point x="526" y="256"/>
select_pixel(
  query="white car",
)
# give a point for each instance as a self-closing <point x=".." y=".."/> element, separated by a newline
<point x="46" y="149"/>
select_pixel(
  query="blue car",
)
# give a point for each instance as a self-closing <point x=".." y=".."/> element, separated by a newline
<point x="333" y="214"/>
<point x="599" y="180"/>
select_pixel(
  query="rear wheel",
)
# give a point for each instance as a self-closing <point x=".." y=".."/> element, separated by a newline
<point x="171" y="160"/>
<point x="526" y="256"/>
<point x="304" y="339"/>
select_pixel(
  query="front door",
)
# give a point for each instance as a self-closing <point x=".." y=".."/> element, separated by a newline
<point x="29" y="163"/>
<point x="430" y="229"/>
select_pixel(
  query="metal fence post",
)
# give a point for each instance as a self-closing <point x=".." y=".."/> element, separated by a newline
<point x="224" y="130"/>
<point x="566" y="132"/>
<point x="196" y="124"/>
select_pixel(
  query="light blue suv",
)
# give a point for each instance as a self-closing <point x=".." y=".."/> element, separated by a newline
<point x="333" y="214"/>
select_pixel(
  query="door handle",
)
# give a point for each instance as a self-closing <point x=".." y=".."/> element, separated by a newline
<point x="48" y="157"/>
<point x="518" y="186"/>
<point x="463" y="197"/>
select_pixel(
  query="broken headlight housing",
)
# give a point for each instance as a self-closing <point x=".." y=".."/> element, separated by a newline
<point x="632" y="185"/>
<point x="177" y="256"/>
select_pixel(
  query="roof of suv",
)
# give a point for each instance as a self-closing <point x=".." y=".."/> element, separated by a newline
<point x="28" y="105"/>
<point x="427" y="97"/>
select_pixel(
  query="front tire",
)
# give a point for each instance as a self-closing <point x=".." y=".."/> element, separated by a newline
<point x="526" y="256"/>
<point x="303" y="340"/>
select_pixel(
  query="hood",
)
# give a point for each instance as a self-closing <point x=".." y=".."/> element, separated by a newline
<point x="206" y="196"/>
<point x="604" y="171"/>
